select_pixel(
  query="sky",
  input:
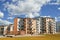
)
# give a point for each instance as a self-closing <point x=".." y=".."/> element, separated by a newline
<point x="9" y="9"/>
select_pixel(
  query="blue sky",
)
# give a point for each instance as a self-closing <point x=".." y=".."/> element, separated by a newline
<point x="49" y="9"/>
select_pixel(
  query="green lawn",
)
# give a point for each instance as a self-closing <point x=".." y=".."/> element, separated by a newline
<point x="45" y="37"/>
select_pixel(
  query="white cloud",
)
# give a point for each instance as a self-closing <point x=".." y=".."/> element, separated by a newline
<point x="10" y="18"/>
<point x="59" y="8"/>
<point x="25" y="7"/>
<point x="1" y="14"/>
<point x="4" y="22"/>
<point x="14" y="0"/>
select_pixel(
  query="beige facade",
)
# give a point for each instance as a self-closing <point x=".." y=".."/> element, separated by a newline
<point x="30" y="24"/>
<point x="49" y="25"/>
<point x="10" y="29"/>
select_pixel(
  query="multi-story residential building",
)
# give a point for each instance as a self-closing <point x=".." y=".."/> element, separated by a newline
<point x="3" y="29"/>
<point x="48" y="25"/>
<point x="10" y="29"/>
<point x="38" y="25"/>
<point x="24" y="26"/>
<point x="34" y="25"/>
<point x="30" y="24"/>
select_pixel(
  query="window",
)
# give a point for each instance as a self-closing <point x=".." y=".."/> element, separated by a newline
<point x="2" y="29"/>
<point x="8" y="28"/>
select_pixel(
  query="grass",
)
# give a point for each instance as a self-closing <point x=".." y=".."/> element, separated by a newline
<point x="45" y="37"/>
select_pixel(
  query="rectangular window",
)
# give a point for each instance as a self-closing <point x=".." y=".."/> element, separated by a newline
<point x="2" y="29"/>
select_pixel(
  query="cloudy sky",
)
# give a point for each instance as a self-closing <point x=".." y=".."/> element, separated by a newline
<point x="9" y="9"/>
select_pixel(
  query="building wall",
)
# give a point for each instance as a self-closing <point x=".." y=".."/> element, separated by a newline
<point x="40" y="25"/>
<point x="15" y="26"/>
<point x="30" y="25"/>
<point x="34" y="26"/>
<point x="19" y="26"/>
<point x="43" y="25"/>
<point x="11" y="27"/>
<point x="22" y="26"/>
<point x="46" y="25"/>
<point x="5" y="30"/>
<point x="50" y="25"/>
<point x="1" y="30"/>
<point x="27" y="25"/>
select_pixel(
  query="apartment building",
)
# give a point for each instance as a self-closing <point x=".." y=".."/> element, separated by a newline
<point x="24" y="26"/>
<point x="45" y="25"/>
<point x="41" y="25"/>
<point x="48" y="25"/>
<point x="3" y="29"/>
<point x="9" y="29"/>
<point x="38" y="25"/>
<point x="30" y="24"/>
